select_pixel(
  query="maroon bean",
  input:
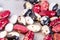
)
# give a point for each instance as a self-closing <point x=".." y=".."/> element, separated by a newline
<point x="48" y="37"/>
<point x="4" y="14"/>
<point x="2" y="38"/>
<point x="29" y="36"/>
<point x="3" y="22"/>
<point x="48" y="13"/>
<point x="20" y="28"/>
<point x="54" y="22"/>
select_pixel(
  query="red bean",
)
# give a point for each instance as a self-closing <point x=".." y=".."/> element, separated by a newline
<point x="48" y="13"/>
<point x="29" y="36"/>
<point x="2" y="38"/>
<point x="56" y="28"/>
<point x="4" y="14"/>
<point x="44" y="5"/>
<point x="56" y="36"/>
<point x="48" y="37"/>
<point x="20" y="28"/>
<point x="3" y="22"/>
<point x="54" y="22"/>
<point x="36" y="8"/>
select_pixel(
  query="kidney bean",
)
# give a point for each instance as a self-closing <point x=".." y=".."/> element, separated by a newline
<point x="20" y="28"/>
<point x="4" y="14"/>
<point x="29" y="36"/>
<point x="54" y="22"/>
<point x="3" y="22"/>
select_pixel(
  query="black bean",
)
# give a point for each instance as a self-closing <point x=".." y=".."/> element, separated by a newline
<point x="28" y="12"/>
<point x="55" y="7"/>
<point x="12" y="38"/>
<point x="32" y="1"/>
<point x="45" y="22"/>
<point x="58" y="12"/>
<point x="31" y="14"/>
<point x="24" y="5"/>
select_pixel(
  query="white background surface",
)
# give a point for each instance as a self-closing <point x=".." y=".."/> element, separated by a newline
<point x="16" y="6"/>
